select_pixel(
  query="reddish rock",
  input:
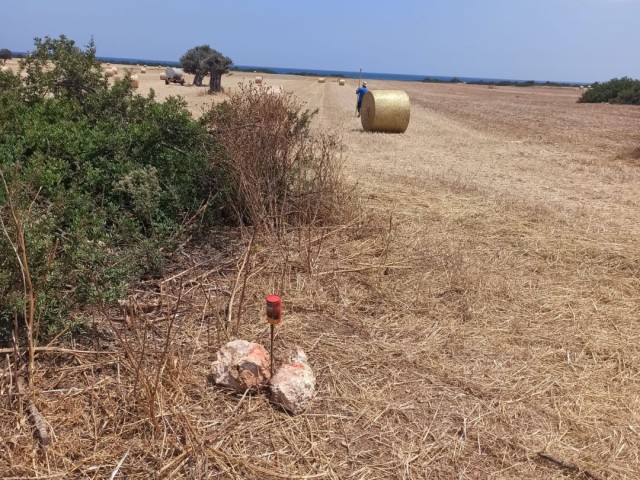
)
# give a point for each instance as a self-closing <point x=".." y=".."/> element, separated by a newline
<point x="294" y="384"/>
<point x="242" y="366"/>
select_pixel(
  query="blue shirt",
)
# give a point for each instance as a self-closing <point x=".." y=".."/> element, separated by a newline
<point x="361" y="91"/>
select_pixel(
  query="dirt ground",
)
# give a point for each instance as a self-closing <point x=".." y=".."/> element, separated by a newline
<point x="479" y="321"/>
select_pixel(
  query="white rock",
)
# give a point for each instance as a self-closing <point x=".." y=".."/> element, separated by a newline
<point x="293" y="385"/>
<point x="242" y="365"/>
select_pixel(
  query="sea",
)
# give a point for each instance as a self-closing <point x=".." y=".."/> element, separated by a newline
<point x="348" y="74"/>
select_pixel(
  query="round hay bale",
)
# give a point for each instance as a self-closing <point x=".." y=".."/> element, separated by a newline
<point x="109" y="73"/>
<point x="143" y="70"/>
<point x="108" y="64"/>
<point x="258" y="80"/>
<point x="163" y="76"/>
<point x="385" y="111"/>
<point x="321" y="80"/>
<point x="115" y="70"/>
<point x="342" y="81"/>
<point x="135" y="83"/>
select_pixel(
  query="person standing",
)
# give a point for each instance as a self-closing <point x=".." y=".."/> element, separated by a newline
<point x="360" y="92"/>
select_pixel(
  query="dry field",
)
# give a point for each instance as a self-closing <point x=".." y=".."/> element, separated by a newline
<point x="477" y="319"/>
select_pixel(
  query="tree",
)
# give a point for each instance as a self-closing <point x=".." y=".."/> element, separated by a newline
<point x="192" y="62"/>
<point x="5" y="54"/>
<point x="204" y="60"/>
<point x="217" y="64"/>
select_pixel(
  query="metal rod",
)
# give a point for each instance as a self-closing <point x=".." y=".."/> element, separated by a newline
<point x="271" y="353"/>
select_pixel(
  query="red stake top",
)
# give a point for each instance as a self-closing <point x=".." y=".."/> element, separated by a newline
<point x="274" y="309"/>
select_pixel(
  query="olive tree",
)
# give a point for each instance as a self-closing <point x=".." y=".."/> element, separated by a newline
<point x="204" y="60"/>
<point x="192" y="62"/>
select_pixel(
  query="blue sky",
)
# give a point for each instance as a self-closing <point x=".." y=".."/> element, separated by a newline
<point x="572" y="40"/>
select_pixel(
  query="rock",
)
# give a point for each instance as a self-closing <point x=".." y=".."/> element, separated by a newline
<point x="294" y="384"/>
<point x="242" y="365"/>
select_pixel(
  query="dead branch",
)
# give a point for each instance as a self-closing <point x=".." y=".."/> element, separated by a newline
<point x="35" y="415"/>
<point x="568" y="466"/>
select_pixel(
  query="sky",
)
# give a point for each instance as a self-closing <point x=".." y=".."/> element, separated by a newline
<point x="562" y="40"/>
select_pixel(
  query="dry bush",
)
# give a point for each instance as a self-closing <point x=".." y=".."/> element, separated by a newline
<point x="279" y="173"/>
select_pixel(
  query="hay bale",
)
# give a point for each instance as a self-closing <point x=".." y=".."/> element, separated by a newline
<point x="258" y="80"/>
<point x="321" y="80"/>
<point x="341" y="82"/>
<point x="115" y="70"/>
<point x="385" y="111"/>
<point x="163" y="76"/>
<point x="135" y="83"/>
<point x="109" y="73"/>
<point x="143" y="70"/>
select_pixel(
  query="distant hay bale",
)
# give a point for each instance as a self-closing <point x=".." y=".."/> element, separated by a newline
<point x="143" y="70"/>
<point x="385" y="111"/>
<point x="341" y="81"/>
<point x="258" y="80"/>
<point x="135" y="83"/>
<point x="109" y="73"/>
<point x="321" y="80"/>
<point x="108" y="64"/>
<point x="163" y="76"/>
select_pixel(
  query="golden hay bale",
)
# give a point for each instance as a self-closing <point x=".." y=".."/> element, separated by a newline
<point x="342" y="81"/>
<point x="108" y="64"/>
<point x="143" y="70"/>
<point x="321" y="80"/>
<point x="109" y="73"/>
<point x="258" y="80"/>
<point x="115" y="70"/>
<point x="163" y="76"/>
<point x="385" y="111"/>
<point x="135" y="83"/>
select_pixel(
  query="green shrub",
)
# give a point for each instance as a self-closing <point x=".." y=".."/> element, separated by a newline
<point x="618" y="90"/>
<point x="100" y="180"/>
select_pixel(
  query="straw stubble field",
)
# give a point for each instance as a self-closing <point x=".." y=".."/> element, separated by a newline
<point x="475" y="318"/>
